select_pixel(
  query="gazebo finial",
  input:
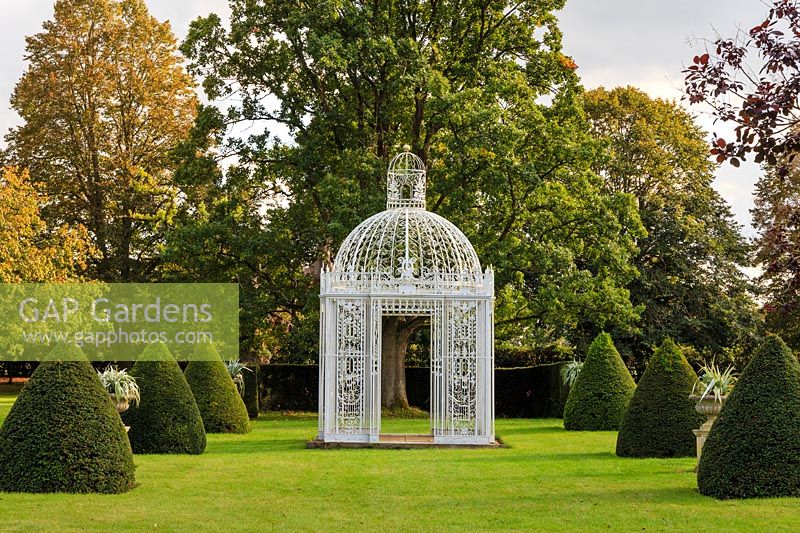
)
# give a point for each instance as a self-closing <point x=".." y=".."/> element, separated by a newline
<point x="405" y="181"/>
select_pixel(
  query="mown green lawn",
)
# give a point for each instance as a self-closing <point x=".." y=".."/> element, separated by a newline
<point x="547" y="479"/>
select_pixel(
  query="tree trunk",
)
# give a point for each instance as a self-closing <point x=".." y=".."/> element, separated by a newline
<point x="397" y="331"/>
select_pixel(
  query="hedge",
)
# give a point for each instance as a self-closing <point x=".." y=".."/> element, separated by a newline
<point x="218" y="399"/>
<point x="251" y="395"/>
<point x="753" y="448"/>
<point x="16" y="369"/>
<point x="63" y="433"/>
<point x="601" y="392"/>
<point x="660" y="418"/>
<point x="167" y="420"/>
<point x="532" y="392"/>
<point x="289" y="387"/>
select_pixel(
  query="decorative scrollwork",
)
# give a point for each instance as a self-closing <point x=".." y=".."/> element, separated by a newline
<point x="350" y="343"/>
<point x="462" y="367"/>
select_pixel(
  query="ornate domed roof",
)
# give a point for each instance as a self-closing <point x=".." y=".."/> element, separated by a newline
<point x="406" y="243"/>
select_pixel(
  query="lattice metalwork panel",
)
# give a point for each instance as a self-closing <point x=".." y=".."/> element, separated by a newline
<point x="461" y="366"/>
<point x="406" y="244"/>
<point x="350" y="366"/>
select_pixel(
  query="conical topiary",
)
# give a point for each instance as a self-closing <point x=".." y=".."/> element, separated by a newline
<point x="167" y="419"/>
<point x="63" y="433"/>
<point x="600" y="394"/>
<point x="753" y="449"/>
<point x="220" y="404"/>
<point x="660" y="417"/>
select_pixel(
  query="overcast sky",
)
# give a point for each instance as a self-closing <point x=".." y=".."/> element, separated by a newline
<point x="644" y="43"/>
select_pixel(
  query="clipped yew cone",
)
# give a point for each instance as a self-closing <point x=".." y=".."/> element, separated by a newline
<point x="167" y="419"/>
<point x="63" y="433"/>
<point x="218" y="399"/>
<point x="753" y="449"/>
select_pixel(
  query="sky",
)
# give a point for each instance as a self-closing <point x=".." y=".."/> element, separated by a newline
<point x="643" y="43"/>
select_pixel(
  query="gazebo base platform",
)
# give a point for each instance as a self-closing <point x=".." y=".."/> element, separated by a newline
<point x="400" y="442"/>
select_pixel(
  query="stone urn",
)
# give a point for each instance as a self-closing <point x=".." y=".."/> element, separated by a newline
<point x="710" y="407"/>
<point x="121" y="406"/>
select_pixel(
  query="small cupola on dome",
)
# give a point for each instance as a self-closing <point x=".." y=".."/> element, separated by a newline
<point x="406" y="242"/>
<point x="405" y="181"/>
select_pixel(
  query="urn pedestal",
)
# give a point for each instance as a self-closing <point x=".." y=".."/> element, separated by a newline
<point x="121" y="406"/>
<point x="710" y="407"/>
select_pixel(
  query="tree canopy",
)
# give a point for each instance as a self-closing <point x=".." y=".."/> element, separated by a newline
<point x="691" y="286"/>
<point x="481" y="92"/>
<point x="30" y="249"/>
<point x="776" y="217"/>
<point x="103" y="101"/>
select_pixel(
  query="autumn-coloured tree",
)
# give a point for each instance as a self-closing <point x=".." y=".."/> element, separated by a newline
<point x="30" y="251"/>
<point x="103" y="100"/>
<point x="753" y="81"/>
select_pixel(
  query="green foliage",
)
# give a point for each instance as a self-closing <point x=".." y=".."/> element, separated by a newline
<point x="776" y="217"/>
<point x="167" y="420"/>
<point x="103" y="99"/>
<point x="660" y="417"/>
<point x="459" y="83"/>
<point x="63" y="433"/>
<point x="753" y="449"/>
<point x="218" y="399"/>
<point x="600" y="395"/>
<point x="691" y="285"/>
<point x="223" y="238"/>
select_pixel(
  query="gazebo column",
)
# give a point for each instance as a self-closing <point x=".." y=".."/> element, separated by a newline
<point x="373" y="377"/>
<point x="485" y="383"/>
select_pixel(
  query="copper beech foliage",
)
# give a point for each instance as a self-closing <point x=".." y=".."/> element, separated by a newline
<point x="753" y="81"/>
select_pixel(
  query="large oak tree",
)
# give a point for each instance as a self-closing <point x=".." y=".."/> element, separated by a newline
<point x="483" y="94"/>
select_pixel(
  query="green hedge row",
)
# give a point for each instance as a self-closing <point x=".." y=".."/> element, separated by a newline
<point x="17" y="369"/>
<point x="531" y="392"/>
<point x="251" y="395"/>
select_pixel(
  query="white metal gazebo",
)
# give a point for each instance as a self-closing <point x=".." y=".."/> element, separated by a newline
<point x="407" y="261"/>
